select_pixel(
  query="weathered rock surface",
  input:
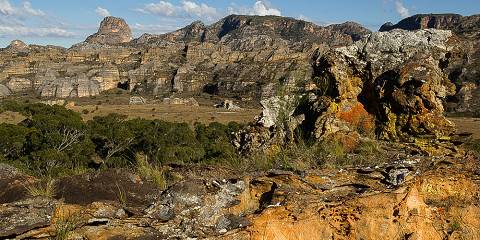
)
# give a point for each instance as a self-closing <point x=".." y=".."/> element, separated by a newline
<point x="388" y="84"/>
<point x="239" y="56"/>
<point x="112" y="31"/>
<point x="417" y="201"/>
<point x="463" y="60"/>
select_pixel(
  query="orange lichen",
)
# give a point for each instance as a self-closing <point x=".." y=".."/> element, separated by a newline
<point x="358" y="117"/>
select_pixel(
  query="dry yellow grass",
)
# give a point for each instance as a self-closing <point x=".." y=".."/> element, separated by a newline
<point x="168" y="112"/>
<point x="469" y="125"/>
<point x="11" y="117"/>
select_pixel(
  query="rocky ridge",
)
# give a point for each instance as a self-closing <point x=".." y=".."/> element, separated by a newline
<point x="217" y="59"/>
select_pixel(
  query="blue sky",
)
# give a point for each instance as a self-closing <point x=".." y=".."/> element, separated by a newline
<point x="65" y="22"/>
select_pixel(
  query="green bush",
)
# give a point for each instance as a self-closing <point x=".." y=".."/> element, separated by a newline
<point x="13" y="141"/>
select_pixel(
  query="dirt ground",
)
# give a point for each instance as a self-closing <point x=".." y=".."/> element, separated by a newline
<point x="168" y="112"/>
<point x="468" y="125"/>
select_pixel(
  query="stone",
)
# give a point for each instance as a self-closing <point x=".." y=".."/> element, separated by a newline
<point x="4" y="91"/>
<point x="17" y="85"/>
<point x="397" y="176"/>
<point x="181" y="101"/>
<point x="137" y="100"/>
<point x="229" y="105"/>
<point x="23" y="216"/>
<point x="276" y="110"/>
<point x="18" y="46"/>
<point x="112" y="31"/>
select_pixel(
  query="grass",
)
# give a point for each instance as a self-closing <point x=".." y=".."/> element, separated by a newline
<point x="303" y="157"/>
<point x="42" y="189"/>
<point x="121" y="195"/>
<point x="473" y="145"/>
<point x="166" y="112"/>
<point x="152" y="173"/>
<point x="66" y="225"/>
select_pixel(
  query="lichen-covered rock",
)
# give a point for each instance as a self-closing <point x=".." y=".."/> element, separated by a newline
<point x="404" y="89"/>
<point x="4" y="91"/>
<point x="23" y="216"/>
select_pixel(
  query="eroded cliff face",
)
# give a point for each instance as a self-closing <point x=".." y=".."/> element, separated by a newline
<point x="239" y="56"/>
<point x="112" y="31"/>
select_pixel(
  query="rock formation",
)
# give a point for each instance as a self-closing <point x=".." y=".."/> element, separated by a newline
<point x="245" y="56"/>
<point x="112" y="31"/>
<point x="360" y="90"/>
<point x="410" y="198"/>
<point x="463" y="59"/>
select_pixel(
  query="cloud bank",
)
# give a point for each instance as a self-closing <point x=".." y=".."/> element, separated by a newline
<point x="102" y="12"/>
<point x="401" y="9"/>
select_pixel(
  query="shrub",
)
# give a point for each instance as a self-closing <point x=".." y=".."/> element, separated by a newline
<point x="166" y="142"/>
<point x="216" y="140"/>
<point x="13" y="142"/>
<point x="112" y="137"/>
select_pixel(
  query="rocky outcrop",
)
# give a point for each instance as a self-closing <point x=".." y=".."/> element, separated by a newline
<point x="112" y="31"/>
<point x="463" y="59"/>
<point x="18" y="46"/>
<point x="388" y="84"/>
<point x="416" y="199"/>
<point x="404" y="89"/>
<point x="425" y="21"/>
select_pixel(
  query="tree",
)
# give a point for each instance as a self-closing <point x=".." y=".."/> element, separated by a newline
<point x="13" y="140"/>
<point x="165" y="142"/>
<point x="111" y="134"/>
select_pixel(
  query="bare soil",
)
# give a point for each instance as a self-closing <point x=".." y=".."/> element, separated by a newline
<point x="468" y="125"/>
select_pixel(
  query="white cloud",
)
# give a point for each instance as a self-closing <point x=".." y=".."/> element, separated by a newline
<point x="102" y="12"/>
<point x="29" y="10"/>
<point x="200" y="10"/>
<point x="401" y="9"/>
<point x="23" y="20"/>
<point x="22" y="31"/>
<point x="186" y="9"/>
<point x="261" y="8"/>
<point x="304" y="18"/>
<point x="161" y="8"/>
<point x="25" y="10"/>
<point x="6" y="8"/>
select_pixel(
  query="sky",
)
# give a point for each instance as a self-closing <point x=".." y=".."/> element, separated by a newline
<point x="66" y="22"/>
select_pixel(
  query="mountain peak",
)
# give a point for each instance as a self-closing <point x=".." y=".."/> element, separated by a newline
<point x="18" y="46"/>
<point x="112" y="31"/>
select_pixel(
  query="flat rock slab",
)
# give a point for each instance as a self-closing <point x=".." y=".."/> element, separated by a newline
<point x="23" y="216"/>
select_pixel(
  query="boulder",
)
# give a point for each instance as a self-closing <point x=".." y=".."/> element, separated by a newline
<point x="181" y="101"/>
<point x="228" y="105"/>
<point x="404" y="90"/>
<point x="17" y="85"/>
<point x="135" y="100"/>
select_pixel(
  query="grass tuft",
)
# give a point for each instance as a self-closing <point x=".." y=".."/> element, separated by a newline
<point x="152" y="173"/>
<point x="42" y="189"/>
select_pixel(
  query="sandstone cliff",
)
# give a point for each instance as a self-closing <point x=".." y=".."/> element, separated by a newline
<point x="239" y="56"/>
